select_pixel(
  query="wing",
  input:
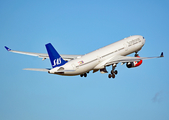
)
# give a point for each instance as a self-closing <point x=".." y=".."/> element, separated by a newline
<point x="43" y="55"/>
<point x="125" y="59"/>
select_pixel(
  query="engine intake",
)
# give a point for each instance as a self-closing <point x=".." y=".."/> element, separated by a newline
<point x="134" y="64"/>
<point x="130" y="65"/>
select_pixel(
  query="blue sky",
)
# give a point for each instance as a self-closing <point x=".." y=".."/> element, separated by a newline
<point x="79" y="27"/>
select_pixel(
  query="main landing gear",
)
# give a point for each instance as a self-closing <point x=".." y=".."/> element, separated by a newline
<point x="113" y="72"/>
<point x="84" y="75"/>
<point x="136" y="55"/>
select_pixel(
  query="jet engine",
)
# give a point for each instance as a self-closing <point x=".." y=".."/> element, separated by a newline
<point x="134" y="64"/>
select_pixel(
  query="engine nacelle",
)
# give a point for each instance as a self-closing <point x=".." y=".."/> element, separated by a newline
<point x="134" y="64"/>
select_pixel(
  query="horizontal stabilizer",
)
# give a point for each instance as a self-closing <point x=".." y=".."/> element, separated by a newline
<point x="60" y="71"/>
<point x="38" y="69"/>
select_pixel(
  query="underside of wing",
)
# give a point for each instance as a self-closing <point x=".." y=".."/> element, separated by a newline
<point x="126" y="59"/>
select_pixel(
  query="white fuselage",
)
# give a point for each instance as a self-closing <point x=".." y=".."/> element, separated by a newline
<point x="97" y="59"/>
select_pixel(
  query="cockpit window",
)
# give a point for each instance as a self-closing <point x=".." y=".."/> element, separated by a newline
<point x="143" y="37"/>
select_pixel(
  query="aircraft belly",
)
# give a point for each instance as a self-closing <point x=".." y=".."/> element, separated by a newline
<point x="82" y="69"/>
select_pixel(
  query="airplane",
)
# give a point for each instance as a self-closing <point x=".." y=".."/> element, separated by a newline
<point x="98" y="60"/>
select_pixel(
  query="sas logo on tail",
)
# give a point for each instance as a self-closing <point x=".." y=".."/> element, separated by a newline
<point x="57" y="62"/>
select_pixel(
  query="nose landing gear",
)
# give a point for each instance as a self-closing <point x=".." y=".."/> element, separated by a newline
<point x="136" y="54"/>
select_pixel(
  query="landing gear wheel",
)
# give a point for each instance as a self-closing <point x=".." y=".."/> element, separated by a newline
<point x="81" y="75"/>
<point x="85" y="75"/>
<point x="113" y="75"/>
<point x="115" y="72"/>
<point x="109" y="75"/>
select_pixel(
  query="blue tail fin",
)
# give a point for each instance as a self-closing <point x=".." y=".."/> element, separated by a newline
<point x="55" y="59"/>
